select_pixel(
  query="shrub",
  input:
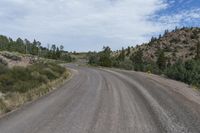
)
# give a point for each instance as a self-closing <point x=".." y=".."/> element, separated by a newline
<point x="93" y="58"/>
<point x="161" y="61"/>
<point x="126" y="64"/>
<point x="11" y="56"/>
<point x="3" y="108"/>
<point x="21" y="79"/>
<point x="3" y="69"/>
<point x="3" y="62"/>
<point x="37" y="76"/>
<point x="188" y="72"/>
<point x="50" y="73"/>
<point x="151" y="67"/>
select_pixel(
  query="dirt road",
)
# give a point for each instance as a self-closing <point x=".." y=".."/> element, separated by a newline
<point x="110" y="101"/>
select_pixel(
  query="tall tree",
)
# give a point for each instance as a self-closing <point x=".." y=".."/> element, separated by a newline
<point x="58" y="53"/>
<point x="27" y="45"/>
<point x="19" y="41"/>
<point x="34" y="48"/>
<point x="20" y="45"/>
<point x="128" y="51"/>
<point x="166" y="32"/>
<point x="61" y="47"/>
<point x="53" y="47"/>
<point x="53" y="51"/>
<point x="105" y="57"/>
<point x="38" y="44"/>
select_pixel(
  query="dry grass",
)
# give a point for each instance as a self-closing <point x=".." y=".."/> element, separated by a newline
<point x="3" y="108"/>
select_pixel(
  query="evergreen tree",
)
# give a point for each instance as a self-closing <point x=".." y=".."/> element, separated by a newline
<point x="168" y="62"/>
<point x="38" y="47"/>
<point x="161" y="61"/>
<point x="53" y="47"/>
<point x="58" y="53"/>
<point x="27" y="46"/>
<point x="122" y="55"/>
<point x="160" y="36"/>
<point x="198" y="51"/>
<point x="61" y="47"/>
<point x="166" y="32"/>
<point x="128" y="51"/>
<point x="33" y="48"/>
<point x="105" y="57"/>
<point x="3" y="42"/>
<point x="137" y="59"/>
<point x="20" y="45"/>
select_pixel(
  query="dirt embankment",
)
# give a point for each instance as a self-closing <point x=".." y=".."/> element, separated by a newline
<point x="16" y="59"/>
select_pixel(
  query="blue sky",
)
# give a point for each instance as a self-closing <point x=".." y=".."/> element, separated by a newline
<point x="84" y="25"/>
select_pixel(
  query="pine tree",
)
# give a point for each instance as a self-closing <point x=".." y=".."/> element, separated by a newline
<point x="105" y="57"/>
<point x="61" y="47"/>
<point x="137" y="59"/>
<point x="166" y="32"/>
<point x="122" y="55"/>
<point x="58" y="53"/>
<point x="161" y="61"/>
<point x="198" y="51"/>
<point x="128" y="51"/>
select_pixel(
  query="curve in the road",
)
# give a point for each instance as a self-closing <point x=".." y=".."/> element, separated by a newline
<point x="107" y="101"/>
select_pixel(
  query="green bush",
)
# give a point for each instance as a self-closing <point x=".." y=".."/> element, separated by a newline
<point x="11" y="56"/>
<point x="3" y="69"/>
<point x="41" y="78"/>
<point x="21" y="79"/>
<point x="93" y="58"/>
<point x="49" y="73"/>
<point x="126" y="64"/>
<point x="151" y="67"/>
<point x="188" y="72"/>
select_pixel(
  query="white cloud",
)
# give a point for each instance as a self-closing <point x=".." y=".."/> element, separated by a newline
<point x="82" y="25"/>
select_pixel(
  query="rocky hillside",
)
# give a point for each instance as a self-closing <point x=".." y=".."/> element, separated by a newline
<point x="177" y="44"/>
<point x="176" y="55"/>
<point x="12" y="59"/>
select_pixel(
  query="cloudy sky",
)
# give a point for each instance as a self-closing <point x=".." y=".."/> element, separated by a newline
<point x="84" y="25"/>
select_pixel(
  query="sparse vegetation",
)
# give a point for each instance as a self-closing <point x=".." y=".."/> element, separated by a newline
<point x="3" y="108"/>
<point x="21" y="84"/>
<point x="175" y="54"/>
<point x="11" y="56"/>
<point x="23" y="79"/>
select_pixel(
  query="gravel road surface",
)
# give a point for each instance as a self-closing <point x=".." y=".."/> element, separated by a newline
<point x="110" y="101"/>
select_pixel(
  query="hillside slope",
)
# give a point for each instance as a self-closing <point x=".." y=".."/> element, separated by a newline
<point x="176" y="54"/>
<point x="178" y="44"/>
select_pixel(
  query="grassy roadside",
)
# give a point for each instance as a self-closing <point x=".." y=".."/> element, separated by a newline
<point x="20" y="85"/>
